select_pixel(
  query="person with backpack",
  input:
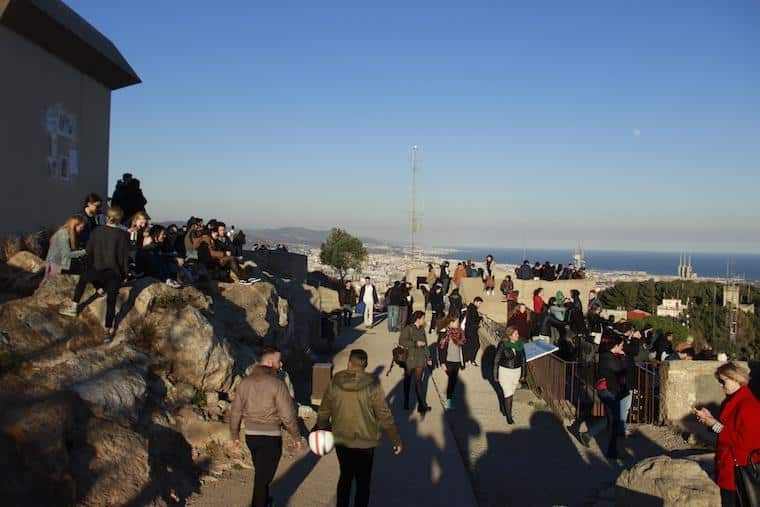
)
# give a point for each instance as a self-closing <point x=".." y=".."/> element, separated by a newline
<point x="455" y="304"/>
<point x="450" y="357"/>
<point x="354" y="408"/>
<point x="414" y="339"/>
<point x="510" y="367"/>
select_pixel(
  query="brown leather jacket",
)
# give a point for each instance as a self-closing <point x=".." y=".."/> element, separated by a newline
<point x="262" y="400"/>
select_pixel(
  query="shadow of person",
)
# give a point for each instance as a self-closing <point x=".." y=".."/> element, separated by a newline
<point x="486" y="372"/>
<point x="464" y="427"/>
<point x="537" y="466"/>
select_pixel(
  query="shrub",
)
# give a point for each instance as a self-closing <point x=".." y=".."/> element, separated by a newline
<point x="199" y="398"/>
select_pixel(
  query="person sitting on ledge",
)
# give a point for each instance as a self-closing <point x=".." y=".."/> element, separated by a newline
<point x="524" y="272"/>
<point x="64" y="254"/>
<point x="203" y="243"/>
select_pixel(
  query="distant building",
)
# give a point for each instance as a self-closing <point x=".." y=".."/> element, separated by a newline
<point x="685" y="270"/>
<point x="673" y="308"/>
<point x="55" y="111"/>
<point x="732" y="298"/>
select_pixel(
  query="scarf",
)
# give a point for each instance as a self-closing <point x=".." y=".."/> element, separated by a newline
<point x="456" y="335"/>
<point x="517" y="346"/>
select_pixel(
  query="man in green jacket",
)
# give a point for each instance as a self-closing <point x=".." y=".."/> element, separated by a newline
<point x="354" y="406"/>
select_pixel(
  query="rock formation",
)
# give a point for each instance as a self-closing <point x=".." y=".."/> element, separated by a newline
<point x="137" y="421"/>
<point x="663" y="481"/>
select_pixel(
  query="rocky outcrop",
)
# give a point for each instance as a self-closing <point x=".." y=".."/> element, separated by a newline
<point x="131" y="421"/>
<point x="662" y="481"/>
<point x="26" y="261"/>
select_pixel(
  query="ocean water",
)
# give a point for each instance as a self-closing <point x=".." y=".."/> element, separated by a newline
<point x="657" y="263"/>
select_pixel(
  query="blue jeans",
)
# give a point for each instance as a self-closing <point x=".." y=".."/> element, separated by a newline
<point x="393" y="316"/>
<point x="611" y="422"/>
<point x="625" y="408"/>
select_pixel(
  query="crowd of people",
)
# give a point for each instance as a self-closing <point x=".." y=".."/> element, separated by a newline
<point x="119" y="245"/>
<point x="549" y="272"/>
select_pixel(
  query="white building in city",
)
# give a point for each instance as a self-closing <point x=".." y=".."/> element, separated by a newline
<point x="671" y="308"/>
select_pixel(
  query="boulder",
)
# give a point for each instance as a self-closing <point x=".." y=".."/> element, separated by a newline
<point x="662" y="481"/>
<point x="250" y="313"/>
<point x="198" y="432"/>
<point x="117" y="394"/>
<point x="26" y="261"/>
<point x="198" y="357"/>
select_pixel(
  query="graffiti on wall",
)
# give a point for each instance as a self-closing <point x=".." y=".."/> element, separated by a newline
<point x="63" y="157"/>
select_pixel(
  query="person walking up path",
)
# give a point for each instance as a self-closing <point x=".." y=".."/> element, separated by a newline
<point x="414" y="339"/>
<point x="354" y="407"/>
<point x="368" y="296"/>
<point x="262" y="400"/>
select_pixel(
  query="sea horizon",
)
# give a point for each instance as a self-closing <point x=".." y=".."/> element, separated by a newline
<point x="663" y="263"/>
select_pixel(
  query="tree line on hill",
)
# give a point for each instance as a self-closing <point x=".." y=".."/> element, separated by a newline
<point x="708" y="320"/>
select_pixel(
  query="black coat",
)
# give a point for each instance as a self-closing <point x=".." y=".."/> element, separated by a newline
<point x="612" y="368"/>
<point x="455" y="305"/>
<point x="507" y="357"/>
<point x="436" y="301"/>
<point x="471" y="327"/>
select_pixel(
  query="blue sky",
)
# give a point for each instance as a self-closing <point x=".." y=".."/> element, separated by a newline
<point x="625" y="125"/>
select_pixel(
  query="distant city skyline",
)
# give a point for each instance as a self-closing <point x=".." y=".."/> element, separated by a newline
<point x="624" y="126"/>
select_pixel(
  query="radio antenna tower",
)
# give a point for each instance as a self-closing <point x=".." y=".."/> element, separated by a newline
<point x="414" y="218"/>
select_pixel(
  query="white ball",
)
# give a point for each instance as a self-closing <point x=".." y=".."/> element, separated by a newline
<point x="321" y="442"/>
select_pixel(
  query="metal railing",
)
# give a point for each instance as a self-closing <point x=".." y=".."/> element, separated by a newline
<point x="568" y="388"/>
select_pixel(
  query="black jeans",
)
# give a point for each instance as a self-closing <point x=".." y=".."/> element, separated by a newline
<point x="452" y="371"/>
<point x="417" y="373"/>
<point x="354" y="464"/>
<point x="728" y="498"/>
<point x="266" y="452"/>
<point x="434" y="319"/>
<point x="107" y="279"/>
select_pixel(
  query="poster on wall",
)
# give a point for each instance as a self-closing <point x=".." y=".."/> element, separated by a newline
<point x="63" y="154"/>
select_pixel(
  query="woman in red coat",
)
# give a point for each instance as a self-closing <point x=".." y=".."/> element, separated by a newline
<point x="538" y="300"/>
<point x="737" y="426"/>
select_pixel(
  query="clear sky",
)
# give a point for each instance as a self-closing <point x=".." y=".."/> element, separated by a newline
<point x="620" y="124"/>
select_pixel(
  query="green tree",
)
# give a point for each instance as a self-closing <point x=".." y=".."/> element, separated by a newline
<point x="342" y="251"/>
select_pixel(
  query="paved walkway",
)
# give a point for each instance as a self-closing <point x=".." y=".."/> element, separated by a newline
<point x="430" y="470"/>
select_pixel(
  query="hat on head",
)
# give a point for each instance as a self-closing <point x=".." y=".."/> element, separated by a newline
<point x="560" y="294"/>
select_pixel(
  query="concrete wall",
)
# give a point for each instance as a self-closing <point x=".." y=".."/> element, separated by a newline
<point x="32" y="81"/>
<point x="283" y="264"/>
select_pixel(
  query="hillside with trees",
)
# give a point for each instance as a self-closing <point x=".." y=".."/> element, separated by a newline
<point x="708" y="319"/>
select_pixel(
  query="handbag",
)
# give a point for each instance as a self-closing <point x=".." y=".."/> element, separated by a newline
<point x="399" y="355"/>
<point x="360" y="307"/>
<point x="748" y="481"/>
<point x="601" y="384"/>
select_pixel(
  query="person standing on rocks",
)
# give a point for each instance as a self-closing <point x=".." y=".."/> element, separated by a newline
<point x="354" y="407"/>
<point x="414" y="339"/>
<point x="471" y="331"/>
<point x="262" y="400"/>
<point x="347" y="300"/>
<point x="510" y="367"/>
<point x="107" y="266"/>
<point x="368" y="296"/>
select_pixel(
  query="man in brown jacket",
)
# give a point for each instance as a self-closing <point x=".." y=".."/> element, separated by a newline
<point x="262" y="400"/>
<point x="354" y="405"/>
